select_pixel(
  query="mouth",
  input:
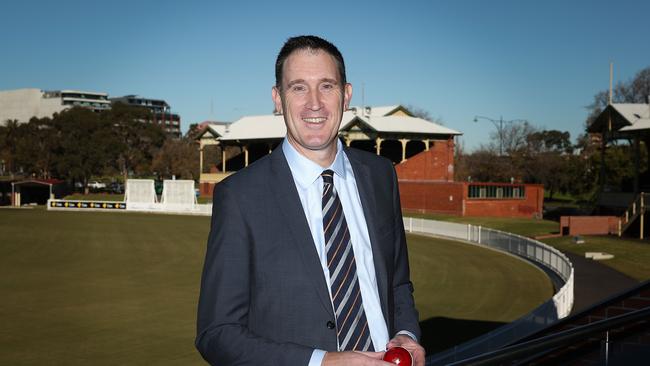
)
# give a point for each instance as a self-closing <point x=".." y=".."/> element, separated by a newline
<point x="314" y="120"/>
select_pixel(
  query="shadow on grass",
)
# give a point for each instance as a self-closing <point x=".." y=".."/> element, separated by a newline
<point x="440" y="333"/>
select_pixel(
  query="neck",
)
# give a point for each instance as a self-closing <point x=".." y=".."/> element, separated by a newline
<point x="324" y="157"/>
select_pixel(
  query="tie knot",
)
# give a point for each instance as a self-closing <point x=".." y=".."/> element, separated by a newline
<point x="328" y="176"/>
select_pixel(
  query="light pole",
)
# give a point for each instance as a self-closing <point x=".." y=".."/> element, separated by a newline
<point x="498" y="123"/>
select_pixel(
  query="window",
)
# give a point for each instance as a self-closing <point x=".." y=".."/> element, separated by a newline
<point x="496" y="191"/>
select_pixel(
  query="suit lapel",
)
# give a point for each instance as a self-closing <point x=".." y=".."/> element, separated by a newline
<point x="368" y="202"/>
<point x="288" y="200"/>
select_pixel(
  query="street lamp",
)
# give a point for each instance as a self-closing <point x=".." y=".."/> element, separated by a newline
<point x="498" y="123"/>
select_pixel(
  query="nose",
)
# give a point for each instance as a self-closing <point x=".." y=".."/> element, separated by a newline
<point x="314" y="101"/>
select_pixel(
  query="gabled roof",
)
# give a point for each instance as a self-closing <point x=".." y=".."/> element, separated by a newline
<point x="214" y="128"/>
<point x="256" y="127"/>
<point x="624" y="116"/>
<point x="273" y="127"/>
<point x="409" y="125"/>
<point x="381" y="111"/>
<point x="638" y="115"/>
<point x="217" y="130"/>
<point x="633" y="111"/>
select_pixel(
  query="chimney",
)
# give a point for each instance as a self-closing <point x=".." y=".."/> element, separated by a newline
<point x="367" y="111"/>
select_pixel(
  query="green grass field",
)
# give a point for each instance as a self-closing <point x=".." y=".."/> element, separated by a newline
<point x="121" y="288"/>
<point x="632" y="257"/>
<point x="464" y="281"/>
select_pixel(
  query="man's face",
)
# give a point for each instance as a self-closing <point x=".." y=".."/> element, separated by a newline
<point x="312" y="100"/>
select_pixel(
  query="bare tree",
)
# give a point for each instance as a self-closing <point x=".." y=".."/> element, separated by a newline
<point x="424" y="114"/>
<point x="636" y="90"/>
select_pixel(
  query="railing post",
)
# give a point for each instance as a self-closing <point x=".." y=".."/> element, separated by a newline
<point x="479" y="234"/>
<point x="604" y="348"/>
<point x="642" y="212"/>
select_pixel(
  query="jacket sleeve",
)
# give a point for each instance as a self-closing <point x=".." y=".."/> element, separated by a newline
<point x="405" y="314"/>
<point x="223" y="336"/>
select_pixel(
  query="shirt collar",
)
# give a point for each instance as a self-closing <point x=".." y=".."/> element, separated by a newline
<point x="305" y="171"/>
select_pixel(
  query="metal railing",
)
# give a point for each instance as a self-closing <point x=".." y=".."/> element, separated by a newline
<point x="557" y="307"/>
<point x="637" y="208"/>
<point x="538" y="347"/>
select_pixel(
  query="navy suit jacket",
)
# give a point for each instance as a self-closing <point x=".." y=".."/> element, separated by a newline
<point x="264" y="299"/>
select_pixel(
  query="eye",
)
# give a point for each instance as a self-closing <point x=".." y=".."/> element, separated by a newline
<point x="327" y="86"/>
<point x="298" y="88"/>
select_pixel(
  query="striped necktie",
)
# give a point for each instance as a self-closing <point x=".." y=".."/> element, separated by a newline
<point x="351" y="323"/>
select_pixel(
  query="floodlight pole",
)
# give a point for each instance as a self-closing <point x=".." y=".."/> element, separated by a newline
<point x="498" y="123"/>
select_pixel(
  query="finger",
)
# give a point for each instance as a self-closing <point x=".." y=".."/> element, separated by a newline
<point x="374" y="355"/>
<point x="394" y="343"/>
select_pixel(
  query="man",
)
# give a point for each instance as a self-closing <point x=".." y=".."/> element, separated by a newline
<point x="306" y="261"/>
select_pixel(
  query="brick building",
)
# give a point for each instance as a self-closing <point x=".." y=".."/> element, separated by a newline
<point x="390" y="131"/>
<point x="423" y="152"/>
<point x="426" y="183"/>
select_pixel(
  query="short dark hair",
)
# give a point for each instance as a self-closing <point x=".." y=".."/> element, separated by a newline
<point x="308" y="43"/>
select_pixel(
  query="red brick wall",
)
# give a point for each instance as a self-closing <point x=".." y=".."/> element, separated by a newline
<point x="529" y="206"/>
<point x="432" y="197"/>
<point x="435" y="164"/>
<point x="588" y="225"/>
<point x="451" y="198"/>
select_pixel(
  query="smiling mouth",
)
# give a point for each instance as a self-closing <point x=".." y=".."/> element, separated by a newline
<point x="315" y="120"/>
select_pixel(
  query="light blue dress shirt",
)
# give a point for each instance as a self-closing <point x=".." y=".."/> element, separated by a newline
<point x="309" y="183"/>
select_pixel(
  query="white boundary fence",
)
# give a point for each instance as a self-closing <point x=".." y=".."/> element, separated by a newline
<point x="557" y="307"/>
<point x="140" y="196"/>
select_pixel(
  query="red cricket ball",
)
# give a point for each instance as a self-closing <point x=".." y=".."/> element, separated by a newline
<point x="399" y="356"/>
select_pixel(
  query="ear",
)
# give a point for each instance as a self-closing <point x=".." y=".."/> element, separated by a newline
<point x="347" y="96"/>
<point x="277" y="99"/>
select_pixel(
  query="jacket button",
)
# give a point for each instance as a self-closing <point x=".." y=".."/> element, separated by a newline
<point x="330" y="325"/>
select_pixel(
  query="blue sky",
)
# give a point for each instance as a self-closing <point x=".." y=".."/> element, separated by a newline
<point x="537" y="60"/>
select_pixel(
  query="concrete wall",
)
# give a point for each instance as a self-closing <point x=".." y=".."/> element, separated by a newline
<point x="23" y="104"/>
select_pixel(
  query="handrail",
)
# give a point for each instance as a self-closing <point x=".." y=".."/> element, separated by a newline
<point x="635" y="209"/>
<point x="548" y="342"/>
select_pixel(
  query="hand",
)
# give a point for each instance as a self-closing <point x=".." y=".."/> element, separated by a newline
<point x="355" y="358"/>
<point x="412" y="346"/>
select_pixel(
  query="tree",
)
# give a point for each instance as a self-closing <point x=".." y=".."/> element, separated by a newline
<point x="134" y="140"/>
<point x="548" y="160"/>
<point x="179" y="158"/>
<point x="84" y="147"/>
<point x="35" y="150"/>
<point x="9" y="137"/>
<point x="532" y="156"/>
<point x="424" y="114"/>
<point x="514" y="137"/>
<point x="193" y="131"/>
<point x="636" y="90"/>
<point x="485" y="165"/>
<point x="550" y="141"/>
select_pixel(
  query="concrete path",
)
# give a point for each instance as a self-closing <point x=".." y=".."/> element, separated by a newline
<point x="595" y="282"/>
